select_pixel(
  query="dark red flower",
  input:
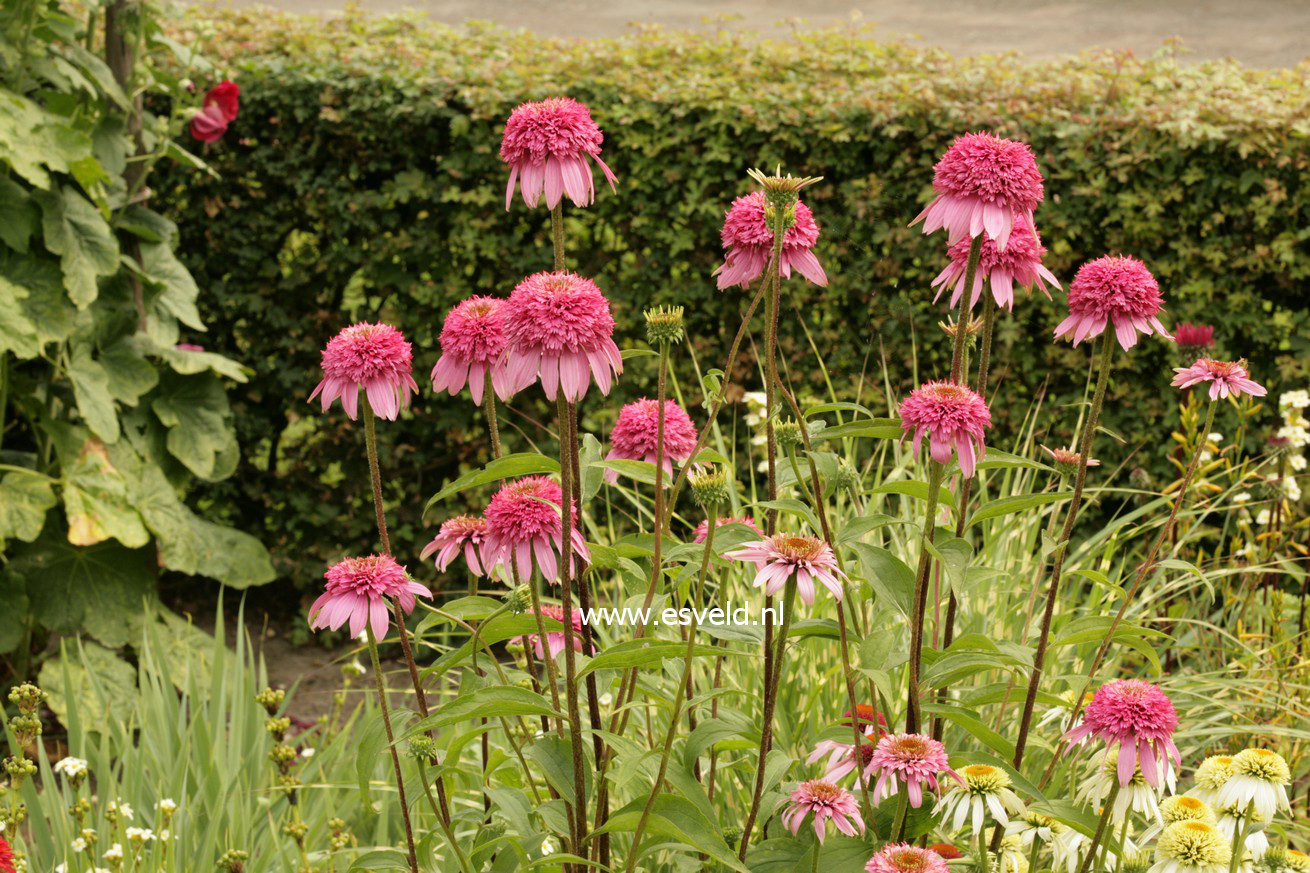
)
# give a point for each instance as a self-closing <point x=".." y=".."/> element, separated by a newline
<point x="946" y="850"/>
<point x="6" y="857"/>
<point x="220" y="109"/>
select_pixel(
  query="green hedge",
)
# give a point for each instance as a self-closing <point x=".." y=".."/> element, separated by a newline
<point x="362" y="180"/>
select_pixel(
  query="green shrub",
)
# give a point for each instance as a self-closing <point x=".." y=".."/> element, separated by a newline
<point x="366" y="184"/>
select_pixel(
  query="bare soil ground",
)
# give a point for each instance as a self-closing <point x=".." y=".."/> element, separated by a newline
<point x="1263" y="33"/>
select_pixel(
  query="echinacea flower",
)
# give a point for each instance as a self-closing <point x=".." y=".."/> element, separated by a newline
<point x="1225" y="378"/>
<point x="703" y="529"/>
<point x="374" y="358"/>
<point x="1010" y="856"/>
<point x="828" y="803"/>
<point x="1236" y="819"/>
<point x="1134" y="796"/>
<point x="865" y="715"/>
<point x="1211" y="776"/>
<point x="525" y="523"/>
<point x="1067" y="462"/>
<point x="560" y="329"/>
<point x="1194" y="338"/>
<point x="1140" y="719"/>
<point x="1298" y="861"/>
<point x="472" y="348"/>
<point x="983" y="183"/>
<point x="955" y="419"/>
<point x="1115" y="290"/>
<point x="6" y="857"/>
<point x="547" y="144"/>
<point x="1259" y="778"/>
<point x="782" y="556"/>
<point x="1067" y="850"/>
<point x="906" y="858"/>
<point x="357" y="589"/>
<point x="1180" y="807"/>
<point x="946" y="850"/>
<point x="1019" y="263"/>
<point x="220" y="107"/>
<point x="982" y="790"/>
<point x="1034" y="827"/>
<point x="555" y="640"/>
<point x="748" y="240"/>
<point x="461" y="534"/>
<point x="635" y="435"/>
<point x="908" y="761"/>
<point x="844" y="758"/>
<point x="1191" y="847"/>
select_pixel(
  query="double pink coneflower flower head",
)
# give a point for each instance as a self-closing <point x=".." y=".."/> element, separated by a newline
<point x="780" y="557"/>
<point x="1116" y="289"/>
<point x="472" y="348"/>
<point x="636" y="433"/>
<point x="954" y="418"/>
<point x="356" y="591"/>
<point x="749" y="243"/>
<point x="703" y="529"/>
<point x="547" y="144"/>
<point x="463" y="533"/>
<point x="372" y="357"/>
<point x="1225" y="378"/>
<point x="555" y="640"/>
<point x="524" y="523"/>
<point x="828" y="803"/>
<point x="1139" y="718"/>
<point x="906" y="858"/>
<point x="911" y="761"/>
<point x="983" y="183"/>
<point x="560" y="329"/>
<point x="1018" y="263"/>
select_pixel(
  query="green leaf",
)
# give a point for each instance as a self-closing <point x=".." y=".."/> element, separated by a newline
<point x="22" y="217"/>
<point x="380" y="859"/>
<point x="508" y="467"/>
<point x="25" y="498"/>
<point x="91" y="681"/>
<point x="14" y="617"/>
<point x="91" y="390"/>
<point x="44" y="304"/>
<point x="1017" y="503"/>
<point x="555" y="757"/>
<point x="129" y="375"/>
<point x="643" y="653"/>
<point x="676" y="818"/>
<point x="17" y="330"/>
<point x="177" y="290"/>
<point x="641" y="471"/>
<point x="33" y="140"/>
<point x="889" y="576"/>
<point x="188" y="362"/>
<point x="489" y="701"/>
<point x="95" y="492"/>
<point x="995" y="459"/>
<point x="974" y="726"/>
<point x="196" y="413"/>
<point x="873" y="428"/>
<point x="77" y="232"/>
<point x="914" y="488"/>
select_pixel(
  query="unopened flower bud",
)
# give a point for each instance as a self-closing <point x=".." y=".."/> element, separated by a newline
<point x="846" y="477"/>
<point x="788" y="435"/>
<point x="519" y="599"/>
<point x="423" y="748"/>
<point x="271" y="700"/>
<point x="710" y="487"/>
<point x="664" y="325"/>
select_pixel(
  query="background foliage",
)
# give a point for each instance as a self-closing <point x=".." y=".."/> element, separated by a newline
<point x="364" y="182"/>
<point x="105" y="421"/>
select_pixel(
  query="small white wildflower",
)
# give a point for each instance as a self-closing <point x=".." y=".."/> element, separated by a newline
<point x="79" y="845"/>
<point x="168" y="806"/>
<point x="1262" y="517"/>
<point x="308" y="751"/>
<point x="547" y="848"/>
<point x="605" y="699"/>
<point x="1213" y="436"/>
<point x="1297" y="462"/>
<point x="71" y="767"/>
<point x="140" y="835"/>
<point x="115" y="852"/>
<point x="1239" y="498"/>
<point x="165" y="835"/>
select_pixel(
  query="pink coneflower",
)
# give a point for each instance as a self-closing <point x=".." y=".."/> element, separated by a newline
<point x="472" y="346"/>
<point x="546" y="145"/>
<point x="555" y="640"/>
<point x="357" y="589"/>
<point x="6" y="857"/>
<point x="749" y="242"/>
<point x="374" y="357"/>
<point x="559" y="327"/>
<point x="523" y="523"/>
<point x="703" y="529"/>
<point x="906" y="858"/>
<point x="463" y="533"/>
<point x="827" y="802"/>
<point x="1067" y="461"/>
<point x="1019" y="263"/>
<point x="1118" y="289"/>
<point x="912" y="760"/>
<point x="844" y="758"/>
<point x="1140" y="718"/>
<point x="634" y="435"/>
<point x="1194" y="337"/>
<point x="983" y="183"/>
<point x="782" y="556"/>
<point x="954" y="418"/>
<point x="1225" y="378"/>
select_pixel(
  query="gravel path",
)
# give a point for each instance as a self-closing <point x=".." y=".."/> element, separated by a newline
<point x="1265" y="33"/>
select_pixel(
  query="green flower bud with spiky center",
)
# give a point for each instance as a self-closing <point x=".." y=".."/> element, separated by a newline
<point x="1262" y="764"/>
<point x="1180" y="807"/>
<point x="711" y="487"/>
<point x="1194" y="844"/>
<point x="519" y="599"/>
<point x="1275" y="859"/>
<point x="423" y="748"/>
<point x="847" y="476"/>
<point x="1214" y="771"/>
<point x="336" y="824"/>
<point x="1037" y="820"/>
<point x="788" y="435"/>
<point x="1139" y="861"/>
<point x="664" y="325"/>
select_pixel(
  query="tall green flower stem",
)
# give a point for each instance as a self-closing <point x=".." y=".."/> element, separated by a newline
<point x="1062" y="548"/>
<point x="493" y="423"/>
<point x="711" y="521"/>
<point x="445" y="827"/>
<point x="936" y="473"/>
<point x="966" y="486"/>
<point x="1239" y="836"/>
<point x="962" y="320"/>
<point x="375" y="474"/>
<point x="1143" y="572"/>
<point x="1106" y="812"/>
<point x="391" y="744"/>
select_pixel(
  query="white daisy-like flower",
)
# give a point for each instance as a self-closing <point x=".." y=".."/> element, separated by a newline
<point x="1297" y="462"/>
<point x="605" y="699"/>
<point x="307" y="752"/>
<point x="546" y="847"/>
<point x="140" y="836"/>
<point x="1299" y="399"/>
<point x="1137" y="796"/>
<point x="1215" y="437"/>
<point x="1297" y="861"/>
<point x="1191" y="847"/>
<point x="1067" y="850"/>
<point x="61" y="868"/>
<point x="1034" y="826"/>
<point x="1062" y="715"/>
<point x="78" y="845"/>
<point x="119" y="809"/>
<point x="986" y="791"/>
<point x="71" y="767"/>
<point x="1259" y="779"/>
<point x="1231" y="822"/>
<point x="114" y="852"/>
<point x="1242" y="498"/>
<point x="353" y="668"/>
<point x="165" y="835"/>
<point x="1010" y="857"/>
<point x="1262" y="517"/>
<point x="168" y="806"/>
<point x="1296" y="435"/>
